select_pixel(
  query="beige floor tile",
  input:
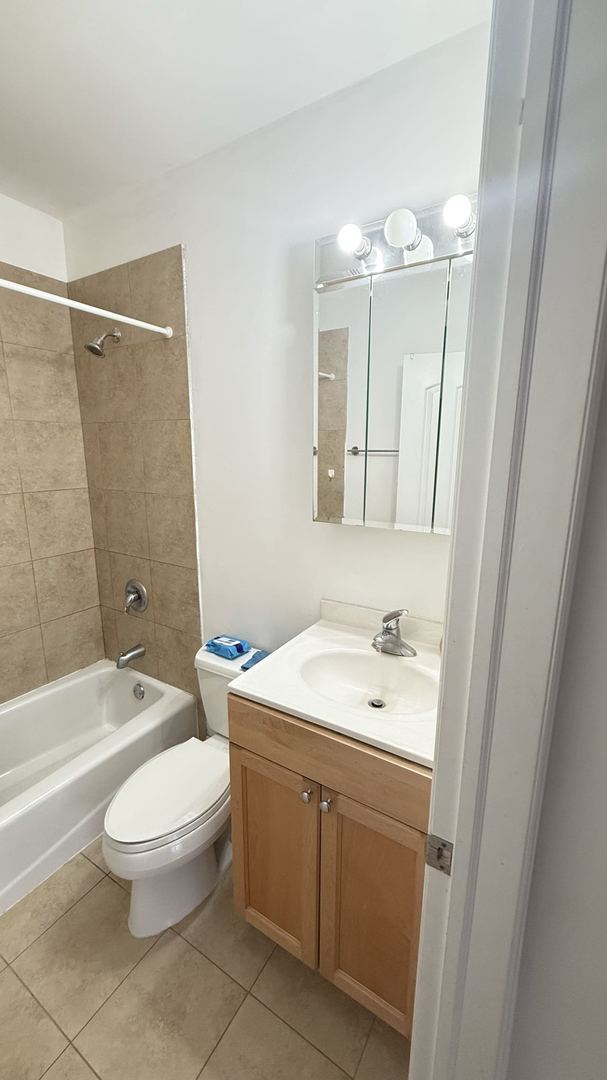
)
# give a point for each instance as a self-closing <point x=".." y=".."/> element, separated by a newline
<point x="95" y="854"/>
<point x="258" y="1046"/>
<point x="386" y="1055"/>
<point x="165" y="1019"/>
<point x="70" y="1066"/>
<point x="74" y="967"/>
<point x="20" y="926"/>
<point x="29" y="1040"/>
<point x="315" y="1008"/>
<point x="221" y="934"/>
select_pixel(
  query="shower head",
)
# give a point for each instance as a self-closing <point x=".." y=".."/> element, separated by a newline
<point x="96" y="345"/>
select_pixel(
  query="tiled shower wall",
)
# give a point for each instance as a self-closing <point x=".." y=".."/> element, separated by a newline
<point x="49" y="604"/>
<point x="136" y="421"/>
<point x="332" y="423"/>
<point x="103" y="437"/>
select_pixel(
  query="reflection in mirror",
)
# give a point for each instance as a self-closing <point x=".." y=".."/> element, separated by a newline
<point x="389" y="370"/>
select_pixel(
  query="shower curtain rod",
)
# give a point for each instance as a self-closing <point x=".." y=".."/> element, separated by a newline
<point x="166" y="331"/>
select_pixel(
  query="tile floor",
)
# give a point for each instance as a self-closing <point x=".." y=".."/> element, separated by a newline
<point x="211" y="999"/>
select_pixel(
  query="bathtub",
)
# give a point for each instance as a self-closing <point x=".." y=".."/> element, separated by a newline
<point x="64" y="750"/>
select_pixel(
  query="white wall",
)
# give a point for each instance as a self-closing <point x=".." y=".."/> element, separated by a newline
<point x="31" y="239"/>
<point x="249" y="215"/>
<point x="559" y="1030"/>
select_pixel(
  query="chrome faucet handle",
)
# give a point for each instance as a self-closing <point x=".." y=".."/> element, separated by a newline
<point x="391" y="619"/>
<point x="135" y="596"/>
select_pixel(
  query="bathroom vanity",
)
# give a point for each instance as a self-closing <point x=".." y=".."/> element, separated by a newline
<point x="329" y="830"/>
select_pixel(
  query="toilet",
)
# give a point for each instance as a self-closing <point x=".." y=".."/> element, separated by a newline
<point x="167" y="828"/>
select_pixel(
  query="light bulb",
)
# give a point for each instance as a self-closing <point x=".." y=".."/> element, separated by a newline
<point x="351" y="240"/>
<point x="400" y="229"/>
<point x="457" y="215"/>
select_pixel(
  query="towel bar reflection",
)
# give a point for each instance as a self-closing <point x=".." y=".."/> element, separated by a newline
<point x="355" y="451"/>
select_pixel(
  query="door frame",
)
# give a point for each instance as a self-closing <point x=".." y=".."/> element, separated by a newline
<point x="538" y="302"/>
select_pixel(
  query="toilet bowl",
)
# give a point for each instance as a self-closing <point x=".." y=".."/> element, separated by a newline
<point x="167" y="828"/>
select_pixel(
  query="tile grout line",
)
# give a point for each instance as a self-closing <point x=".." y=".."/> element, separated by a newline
<point x="55" y="921"/>
<point x="304" y="1037"/>
<point x="356" y="1071"/>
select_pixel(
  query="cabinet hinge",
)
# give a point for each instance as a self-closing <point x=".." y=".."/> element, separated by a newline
<point x="439" y="854"/>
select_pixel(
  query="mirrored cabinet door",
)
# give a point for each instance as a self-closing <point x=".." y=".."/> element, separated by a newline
<point x="405" y="365"/>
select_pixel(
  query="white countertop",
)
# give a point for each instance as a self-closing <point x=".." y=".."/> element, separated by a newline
<point x="277" y="682"/>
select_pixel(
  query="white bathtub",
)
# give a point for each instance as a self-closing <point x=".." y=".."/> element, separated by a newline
<point x="64" y="750"/>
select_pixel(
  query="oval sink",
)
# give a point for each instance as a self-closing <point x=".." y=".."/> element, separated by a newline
<point x="356" y="678"/>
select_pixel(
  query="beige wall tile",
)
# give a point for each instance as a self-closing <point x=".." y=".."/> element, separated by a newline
<point x="14" y="543"/>
<point x="332" y="404"/>
<point x="20" y="926"/>
<point x="107" y="385"/>
<point x="27" y="321"/>
<point x="132" y="632"/>
<point x="72" y="642"/>
<point x="121" y="457"/>
<point x="172" y="529"/>
<point x="157" y="289"/>
<point x="175" y="652"/>
<point x="90" y="436"/>
<point x="42" y="384"/>
<point x="18" y="605"/>
<point x="10" y="479"/>
<point x="80" y="960"/>
<point x="125" y="567"/>
<point x="58" y="521"/>
<point x="108" y="289"/>
<point x="5" y="404"/>
<point x="126" y="523"/>
<point x="156" y="1027"/>
<point x="66" y="583"/>
<point x="110" y="637"/>
<point x="30" y="1040"/>
<point x="167" y="453"/>
<point x="104" y="577"/>
<point x="22" y="664"/>
<point x="97" y="503"/>
<point x="50" y="456"/>
<point x="333" y="352"/>
<point x="162" y="366"/>
<point x="175" y="595"/>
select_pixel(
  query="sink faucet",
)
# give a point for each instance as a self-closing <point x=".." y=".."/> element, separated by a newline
<point x="388" y="640"/>
<point x="130" y="654"/>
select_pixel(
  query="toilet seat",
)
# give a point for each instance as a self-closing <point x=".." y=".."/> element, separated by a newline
<point x="170" y="796"/>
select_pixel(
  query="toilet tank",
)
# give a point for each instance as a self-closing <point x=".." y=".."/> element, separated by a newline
<point x="214" y="675"/>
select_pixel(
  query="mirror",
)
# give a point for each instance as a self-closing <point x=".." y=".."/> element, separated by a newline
<point x="389" y="371"/>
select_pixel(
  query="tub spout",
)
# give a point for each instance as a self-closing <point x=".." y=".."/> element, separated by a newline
<point x="125" y="658"/>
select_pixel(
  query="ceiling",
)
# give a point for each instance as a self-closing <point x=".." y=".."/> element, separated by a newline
<point x="100" y="94"/>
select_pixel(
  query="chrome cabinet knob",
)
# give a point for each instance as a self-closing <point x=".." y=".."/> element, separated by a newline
<point x="306" y="796"/>
<point x="326" y="805"/>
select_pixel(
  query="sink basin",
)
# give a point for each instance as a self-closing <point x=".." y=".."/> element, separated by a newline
<point x="374" y="681"/>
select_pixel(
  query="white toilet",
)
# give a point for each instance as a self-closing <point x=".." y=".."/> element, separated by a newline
<point x="167" y="827"/>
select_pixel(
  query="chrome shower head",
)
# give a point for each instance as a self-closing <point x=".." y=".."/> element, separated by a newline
<point x="96" y="345"/>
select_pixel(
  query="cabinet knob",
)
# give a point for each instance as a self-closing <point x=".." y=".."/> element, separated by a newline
<point x="326" y="805"/>
<point x="306" y="796"/>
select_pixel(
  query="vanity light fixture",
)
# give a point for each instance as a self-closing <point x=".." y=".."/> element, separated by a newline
<point x="402" y="231"/>
<point x="351" y="240"/>
<point x="458" y="215"/>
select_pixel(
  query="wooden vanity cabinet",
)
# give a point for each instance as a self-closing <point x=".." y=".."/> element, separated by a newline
<point x="329" y="843"/>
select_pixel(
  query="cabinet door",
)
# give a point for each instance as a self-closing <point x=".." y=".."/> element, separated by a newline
<point x="276" y="841"/>
<point x="372" y="871"/>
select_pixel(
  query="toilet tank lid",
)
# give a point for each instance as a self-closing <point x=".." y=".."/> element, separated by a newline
<point x="208" y="661"/>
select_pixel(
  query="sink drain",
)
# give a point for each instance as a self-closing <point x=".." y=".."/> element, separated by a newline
<point x="376" y="703"/>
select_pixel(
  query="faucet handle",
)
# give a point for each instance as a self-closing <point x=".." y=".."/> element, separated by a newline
<point x="391" y="618"/>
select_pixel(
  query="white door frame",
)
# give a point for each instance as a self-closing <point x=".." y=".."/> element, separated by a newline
<point x="537" y="347"/>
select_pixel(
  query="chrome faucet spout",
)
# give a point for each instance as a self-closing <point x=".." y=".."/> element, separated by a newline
<point x="125" y="658"/>
<point x="388" y="639"/>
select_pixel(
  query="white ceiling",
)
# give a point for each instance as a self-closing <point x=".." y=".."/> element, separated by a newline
<point x="98" y="94"/>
